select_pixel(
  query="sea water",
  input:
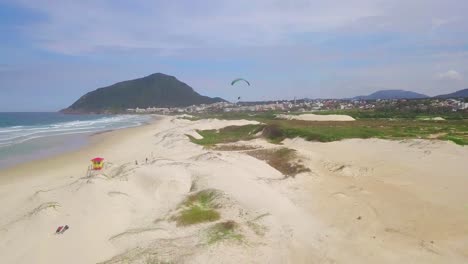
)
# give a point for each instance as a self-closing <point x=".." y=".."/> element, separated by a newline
<point x="28" y="136"/>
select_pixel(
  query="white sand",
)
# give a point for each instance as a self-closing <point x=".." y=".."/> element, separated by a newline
<point x="408" y="194"/>
<point x="434" y="118"/>
<point x="410" y="197"/>
<point x="184" y="116"/>
<point x="314" y="117"/>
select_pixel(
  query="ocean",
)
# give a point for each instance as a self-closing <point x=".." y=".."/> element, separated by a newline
<point x="29" y="136"/>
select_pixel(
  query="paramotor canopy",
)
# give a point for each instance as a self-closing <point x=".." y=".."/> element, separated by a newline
<point x="238" y="80"/>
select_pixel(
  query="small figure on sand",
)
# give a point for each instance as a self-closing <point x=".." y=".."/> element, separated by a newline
<point x="136" y="162"/>
<point x="146" y="160"/>
<point x="65" y="228"/>
<point x="58" y="230"/>
<point x="61" y="229"/>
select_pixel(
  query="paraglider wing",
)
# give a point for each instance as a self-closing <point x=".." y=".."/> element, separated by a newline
<point x="239" y="79"/>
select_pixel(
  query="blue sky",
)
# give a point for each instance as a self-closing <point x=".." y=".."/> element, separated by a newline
<point x="52" y="52"/>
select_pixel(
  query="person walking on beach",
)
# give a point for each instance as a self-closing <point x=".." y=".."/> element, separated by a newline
<point x="65" y="228"/>
<point x="58" y="230"/>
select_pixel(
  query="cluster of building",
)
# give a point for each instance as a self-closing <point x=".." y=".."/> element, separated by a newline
<point x="431" y="104"/>
<point x="304" y="105"/>
<point x="451" y="103"/>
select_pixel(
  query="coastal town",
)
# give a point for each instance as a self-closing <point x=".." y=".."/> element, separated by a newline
<point x="308" y="105"/>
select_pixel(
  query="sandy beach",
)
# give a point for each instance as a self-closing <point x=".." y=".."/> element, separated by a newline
<point x="363" y="201"/>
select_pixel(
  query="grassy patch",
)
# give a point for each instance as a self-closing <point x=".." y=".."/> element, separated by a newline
<point x="393" y="113"/>
<point x="204" y="199"/>
<point x="233" y="147"/>
<point x="284" y="160"/>
<point x="198" y="208"/>
<point x="227" y="134"/>
<point x="327" y="131"/>
<point x="460" y="140"/>
<point x="367" y="125"/>
<point x="355" y="113"/>
<point x="196" y="215"/>
<point x="274" y="133"/>
<point x="224" y="231"/>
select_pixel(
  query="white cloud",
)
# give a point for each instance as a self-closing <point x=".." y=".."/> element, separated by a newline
<point x="450" y="75"/>
<point x="319" y="48"/>
<point x="86" y="26"/>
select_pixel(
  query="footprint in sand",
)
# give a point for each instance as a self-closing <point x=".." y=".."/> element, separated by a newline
<point x="341" y="196"/>
<point x="116" y="193"/>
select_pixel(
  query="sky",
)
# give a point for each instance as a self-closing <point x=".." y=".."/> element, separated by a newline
<point x="54" y="51"/>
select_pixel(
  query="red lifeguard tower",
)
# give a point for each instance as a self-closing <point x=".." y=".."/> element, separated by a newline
<point x="98" y="163"/>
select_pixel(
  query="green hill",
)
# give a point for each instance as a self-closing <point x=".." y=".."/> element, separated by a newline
<point x="458" y="94"/>
<point x="155" y="90"/>
<point x="391" y="94"/>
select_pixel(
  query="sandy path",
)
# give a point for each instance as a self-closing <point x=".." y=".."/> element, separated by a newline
<point x="364" y="201"/>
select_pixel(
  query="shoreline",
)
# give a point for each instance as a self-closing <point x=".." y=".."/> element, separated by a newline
<point x="93" y="143"/>
<point x="41" y="148"/>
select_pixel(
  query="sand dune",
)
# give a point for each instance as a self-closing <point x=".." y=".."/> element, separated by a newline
<point x="364" y="201"/>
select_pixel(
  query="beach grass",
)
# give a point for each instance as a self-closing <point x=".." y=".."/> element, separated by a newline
<point x="195" y="215"/>
<point x="233" y="147"/>
<point x="198" y="208"/>
<point x="393" y="114"/>
<point x="227" y="134"/>
<point x="275" y="130"/>
<point x="453" y="130"/>
<point x="284" y="160"/>
<point x="224" y="231"/>
<point x="355" y="113"/>
<point x="204" y="198"/>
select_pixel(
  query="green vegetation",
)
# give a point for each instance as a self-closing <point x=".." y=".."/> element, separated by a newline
<point x="456" y="131"/>
<point x="394" y="114"/>
<point x="198" y="208"/>
<point x="283" y="159"/>
<point x="227" y="134"/>
<point x="391" y="94"/>
<point x="258" y="116"/>
<point x="276" y="130"/>
<point x="355" y="113"/>
<point x="457" y="140"/>
<point x="156" y="90"/>
<point x="458" y="94"/>
<point x="223" y="231"/>
<point x="233" y="147"/>
<point x="196" y="215"/>
<point x="203" y="198"/>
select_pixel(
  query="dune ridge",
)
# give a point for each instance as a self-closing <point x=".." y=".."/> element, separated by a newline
<point x="362" y="201"/>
